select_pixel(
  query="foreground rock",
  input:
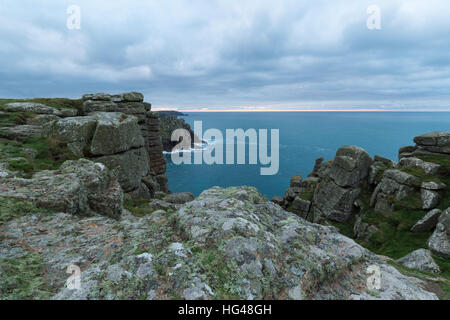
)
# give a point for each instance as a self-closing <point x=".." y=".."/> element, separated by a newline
<point x="420" y="260"/>
<point x="227" y="243"/>
<point x="79" y="187"/>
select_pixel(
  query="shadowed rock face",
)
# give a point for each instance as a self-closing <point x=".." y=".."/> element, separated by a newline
<point x="259" y="250"/>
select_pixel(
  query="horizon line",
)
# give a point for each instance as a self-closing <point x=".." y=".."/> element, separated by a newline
<point x="299" y="110"/>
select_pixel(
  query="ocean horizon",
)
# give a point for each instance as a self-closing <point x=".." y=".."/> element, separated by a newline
<point x="304" y="137"/>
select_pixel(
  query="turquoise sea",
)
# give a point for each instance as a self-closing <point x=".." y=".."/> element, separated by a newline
<point x="304" y="137"/>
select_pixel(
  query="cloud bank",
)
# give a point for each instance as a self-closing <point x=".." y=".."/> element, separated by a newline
<point x="225" y="54"/>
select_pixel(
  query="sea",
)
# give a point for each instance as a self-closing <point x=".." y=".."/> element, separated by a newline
<point x="303" y="137"/>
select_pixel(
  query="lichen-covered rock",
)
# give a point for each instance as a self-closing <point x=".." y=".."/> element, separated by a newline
<point x="431" y="193"/>
<point x="42" y="119"/>
<point x="179" y="198"/>
<point x="77" y="132"/>
<point x="30" y="107"/>
<point x="227" y="243"/>
<point x="115" y="132"/>
<point x="439" y="242"/>
<point x="132" y="166"/>
<point x="420" y="260"/>
<point x="350" y="166"/>
<point x="429" y="167"/>
<point x="79" y="187"/>
<point x="428" y="222"/>
<point x="300" y="207"/>
<point x="395" y="185"/>
<point x="437" y="141"/>
<point x="334" y="202"/>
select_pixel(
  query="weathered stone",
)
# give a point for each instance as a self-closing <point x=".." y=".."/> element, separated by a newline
<point x="79" y="187"/>
<point x="350" y="166"/>
<point x="30" y="107"/>
<point x="428" y="222"/>
<point x="429" y="168"/>
<point x="301" y="207"/>
<point x="67" y="112"/>
<point x="278" y="200"/>
<point x="42" y="119"/>
<point x="179" y="198"/>
<point x="430" y="199"/>
<point x="439" y="242"/>
<point x="132" y="166"/>
<point x="115" y="133"/>
<point x="77" y="132"/>
<point x="334" y="202"/>
<point x="402" y="178"/>
<point x="362" y="230"/>
<point x="434" y="142"/>
<point x="420" y="260"/>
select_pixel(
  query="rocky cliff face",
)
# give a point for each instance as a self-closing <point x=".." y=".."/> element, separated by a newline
<point x="168" y="124"/>
<point x="118" y="131"/>
<point x="380" y="200"/>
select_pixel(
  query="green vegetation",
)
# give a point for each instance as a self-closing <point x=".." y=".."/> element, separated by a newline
<point x="9" y="119"/>
<point x="23" y="278"/>
<point x="15" y="208"/>
<point x="137" y="207"/>
<point x="49" y="154"/>
<point x="219" y="272"/>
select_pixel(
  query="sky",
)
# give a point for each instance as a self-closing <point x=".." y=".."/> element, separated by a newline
<point x="231" y="54"/>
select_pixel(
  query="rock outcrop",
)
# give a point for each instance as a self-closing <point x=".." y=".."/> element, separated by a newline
<point x="79" y="187"/>
<point x="168" y="124"/>
<point x="259" y="250"/>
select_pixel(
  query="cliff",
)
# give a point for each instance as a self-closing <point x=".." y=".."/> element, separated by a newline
<point x="119" y="131"/>
<point x="168" y="124"/>
<point x="392" y="208"/>
<point x="81" y="187"/>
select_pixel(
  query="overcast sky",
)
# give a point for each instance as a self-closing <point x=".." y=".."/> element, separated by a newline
<point x="231" y="54"/>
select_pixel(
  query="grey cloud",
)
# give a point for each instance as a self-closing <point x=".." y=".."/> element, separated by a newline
<point x="191" y="54"/>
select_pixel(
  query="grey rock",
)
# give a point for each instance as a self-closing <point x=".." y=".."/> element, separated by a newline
<point x="179" y="198"/>
<point x="439" y="243"/>
<point x="115" y="133"/>
<point x="42" y="119"/>
<point x="429" y="167"/>
<point x="79" y="187"/>
<point x="334" y="202"/>
<point x="430" y="199"/>
<point x="437" y="141"/>
<point x="77" y="132"/>
<point x="428" y="222"/>
<point x="301" y="207"/>
<point x="420" y="260"/>
<point x="278" y="200"/>
<point x="350" y="166"/>
<point x="30" y="107"/>
<point x="132" y="166"/>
